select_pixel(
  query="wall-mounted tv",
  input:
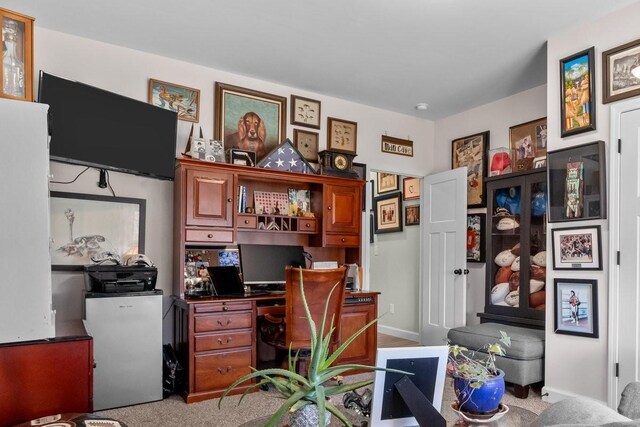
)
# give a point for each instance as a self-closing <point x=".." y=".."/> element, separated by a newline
<point x="93" y="127"/>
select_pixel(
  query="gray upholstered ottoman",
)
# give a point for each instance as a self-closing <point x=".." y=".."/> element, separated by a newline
<point x="524" y="362"/>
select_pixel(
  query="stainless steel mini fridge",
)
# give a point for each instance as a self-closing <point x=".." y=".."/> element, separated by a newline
<point x="127" y="347"/>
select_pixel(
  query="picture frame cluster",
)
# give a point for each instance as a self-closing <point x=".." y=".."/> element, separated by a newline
<point x="387" y="205"/>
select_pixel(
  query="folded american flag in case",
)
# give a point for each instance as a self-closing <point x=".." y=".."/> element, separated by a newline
<point x="286" y="157"/>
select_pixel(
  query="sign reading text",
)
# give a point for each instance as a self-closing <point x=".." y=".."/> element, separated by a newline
<point x="391" y="145"/>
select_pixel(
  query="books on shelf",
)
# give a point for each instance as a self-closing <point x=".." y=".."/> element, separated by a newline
<point x="242" y="199"/>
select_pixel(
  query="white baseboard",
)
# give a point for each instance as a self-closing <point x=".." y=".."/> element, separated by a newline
<point x="553" y="395"/>
<point x="399" y="333"/>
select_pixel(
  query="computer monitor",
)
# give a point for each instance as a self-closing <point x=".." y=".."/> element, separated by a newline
<point x="265" y="264"/>
<point x="428" y="364"/>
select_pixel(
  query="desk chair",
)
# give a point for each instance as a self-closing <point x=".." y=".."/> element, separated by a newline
<point x="294" y="328"/>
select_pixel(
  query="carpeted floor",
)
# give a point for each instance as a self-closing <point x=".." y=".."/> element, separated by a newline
<point x="173" y="412"/>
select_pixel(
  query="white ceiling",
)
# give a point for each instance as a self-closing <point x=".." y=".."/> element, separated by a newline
<point x="392" y="54"/>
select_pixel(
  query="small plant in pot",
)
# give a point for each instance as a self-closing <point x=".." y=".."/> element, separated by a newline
<point x="306" y="398"/>
<point x="478" y="384"/>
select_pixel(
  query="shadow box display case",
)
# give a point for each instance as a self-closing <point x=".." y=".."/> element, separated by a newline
<point x="515" y="248"/>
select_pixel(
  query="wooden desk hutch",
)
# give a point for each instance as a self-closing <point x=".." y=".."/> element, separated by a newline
<point x="216" y="339"/>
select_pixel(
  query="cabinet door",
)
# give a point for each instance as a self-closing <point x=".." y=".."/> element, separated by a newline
<point x="363" y="349"/>
<point x="209" y="198"/>
<point x="342" y="206"/>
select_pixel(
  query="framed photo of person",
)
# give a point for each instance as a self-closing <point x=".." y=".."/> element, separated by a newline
<point x="387" y="212"/>
<point x="576" y="307"/>
<point x="528" y="141"/>
<point x="412" y="215"/>
<point x="387" y="182"/>
<point x="471" y="151"/>
<point x="475" y="237"/>
<point x="577" y="248"/>
<point x="577" y="96"/>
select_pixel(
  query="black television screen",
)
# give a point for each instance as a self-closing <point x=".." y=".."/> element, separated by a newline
<point x="266" y="263"/>
<point x="93" y="127"/>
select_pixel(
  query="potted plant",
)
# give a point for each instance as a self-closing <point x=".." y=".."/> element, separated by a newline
<point x="306" y="397"/>
<point x="478" y="384"/>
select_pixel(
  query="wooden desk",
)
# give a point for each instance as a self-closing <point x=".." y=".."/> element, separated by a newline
<point x="44" y="377"/>
<point x="216" y="339"/>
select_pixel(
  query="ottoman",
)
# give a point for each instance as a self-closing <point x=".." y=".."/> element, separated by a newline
<point x="524" y="362"/>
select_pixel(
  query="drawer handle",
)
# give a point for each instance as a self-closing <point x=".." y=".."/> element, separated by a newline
<point x="307" y="225"/>
<point x="246" y="221"/>
<point x="328" y="207"/>
<point x="343" y="240"/>
<point x="210" y="236"/>
<point x="229" y="199"/>
<point x="225" y="371"/>
<point x="221" y="341"/>
<point x="222" y="324"/>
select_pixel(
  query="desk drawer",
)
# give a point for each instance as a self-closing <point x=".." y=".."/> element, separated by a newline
<point x="348" y="240"/>
<point x="223" y="341"/>
<point x="307" y="225"/>
<point x="224" y="236"/>
<point x="222" y="322"/>
<point x="222" y="307"/>
<point x="218" y="370"/>
<point x="247" y="221"/>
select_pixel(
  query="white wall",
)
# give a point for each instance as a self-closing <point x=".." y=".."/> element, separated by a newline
<point x="496" y="117"/>
<point x="565" y="377"/>
<point x="127" y="71"/>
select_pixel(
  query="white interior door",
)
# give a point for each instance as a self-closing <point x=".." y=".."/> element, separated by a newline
<point x="628" y="296"/>
<point x="444" y="268"/>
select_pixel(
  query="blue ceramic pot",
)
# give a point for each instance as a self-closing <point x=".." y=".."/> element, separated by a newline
<point x="485" y="399"/>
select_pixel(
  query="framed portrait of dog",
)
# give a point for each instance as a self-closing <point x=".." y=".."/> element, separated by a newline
<point x="249" y="120"/>
<point x="528" y="141"/>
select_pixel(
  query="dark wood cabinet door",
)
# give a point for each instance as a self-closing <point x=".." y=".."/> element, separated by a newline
<point x="209" y="198"/>
<point x="342" y="209"/>
<point x="363" y="349"/>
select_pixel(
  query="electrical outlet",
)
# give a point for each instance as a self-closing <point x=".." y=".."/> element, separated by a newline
<point x="392" y="308"/>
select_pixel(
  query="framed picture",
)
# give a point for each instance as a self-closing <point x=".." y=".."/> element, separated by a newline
<point x="410" y="188"/>
<point x="403" y="147"/>
<point x="183" y="100"/>
<point x="577" y="96"/>
<point x="576" y="307"/>
<point x="577" y="248"/>
<point x="342" y="135"/>
<point x="528" y="141"/>
<point x="475" y="237"/>
<point x="387" y="182"/>
<point x="242" y="157"/>
<point x="305" y="112"/>
<point x="361" y="170"/>
<point x="471" y="151"/>
<point x="387" y="211"/>
<point x="577" y="183"/>
<point x="412" y="215"/>
<point x="87" y="227"/>
<point x="307" y="144"/>
<point x="620" y="72"/>
<point x="248" y="119"/>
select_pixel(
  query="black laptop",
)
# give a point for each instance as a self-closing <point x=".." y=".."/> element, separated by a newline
<point x="227" y="283"/>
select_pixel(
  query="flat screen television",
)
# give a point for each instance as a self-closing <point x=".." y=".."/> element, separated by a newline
<point x="93" y="127"/>
<point x="265" y="264"/>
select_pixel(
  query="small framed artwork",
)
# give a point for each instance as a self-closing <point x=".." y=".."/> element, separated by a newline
<point x="183" y="100"/>
<point x="528" y="141"/>
<point x="410" y="188"/>
<point x="475" y="237"/>
<point x="577" y="96"/>
<point x="387" y="182"/>
<point x="576" y="307"/>
<point x="242" y="157"/>
<point x="412" y="215"/>
<point x="342" y="135"/>
<point x="387" y="211"/>
<point x="307" y="144"/>
<point x="249" y="120"/>
<point x="577" y="248"/>
<point x="87" y="227"/>
<point x="577" y="183"/>
<point x="621" y="72"/>
<point x="361" y="170"/>
<point x="540" y="162"/>
<point x="471" y="151"/>
<point x="305" y="112"/>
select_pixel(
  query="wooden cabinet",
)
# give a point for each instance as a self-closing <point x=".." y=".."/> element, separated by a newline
<point x="516" y="242"/>
<point x="342" y="213"/>
<point x="16" y="79"/>
<point x="46" y="377"/>
<point x="209" y="199"/>
<point x="362" y="350"/>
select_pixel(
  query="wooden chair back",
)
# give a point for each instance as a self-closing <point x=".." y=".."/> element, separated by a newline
<point x="317" y="287"/>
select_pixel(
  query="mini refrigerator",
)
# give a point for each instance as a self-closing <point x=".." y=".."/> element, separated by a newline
<point x="127" y="347"/>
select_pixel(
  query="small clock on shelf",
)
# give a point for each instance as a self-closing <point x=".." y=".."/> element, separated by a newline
<point x="337" y="164"/>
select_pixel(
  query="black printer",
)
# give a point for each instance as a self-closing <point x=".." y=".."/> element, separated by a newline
<point x="119" y="278"/>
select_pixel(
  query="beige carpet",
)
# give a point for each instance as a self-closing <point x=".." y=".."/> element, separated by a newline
<point x="173" y="412"/>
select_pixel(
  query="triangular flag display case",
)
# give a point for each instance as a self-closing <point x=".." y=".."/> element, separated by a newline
<point x="286" y="157"/>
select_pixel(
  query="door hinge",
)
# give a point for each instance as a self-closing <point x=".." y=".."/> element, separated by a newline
<point x="617" y="369"/>
<point x="619" y="145"/>
<point x="618" y="258"/>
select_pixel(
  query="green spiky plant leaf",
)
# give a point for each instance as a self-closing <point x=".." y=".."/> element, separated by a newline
<point x="299" y="391"/>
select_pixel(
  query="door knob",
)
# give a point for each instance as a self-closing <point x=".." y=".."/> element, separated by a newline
<point x="459" y="271"/>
